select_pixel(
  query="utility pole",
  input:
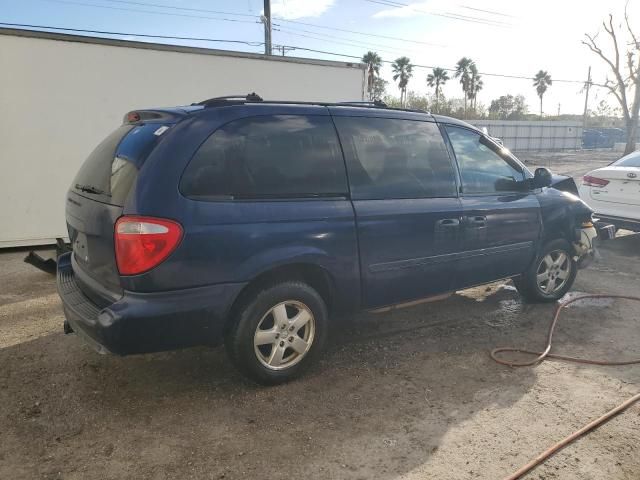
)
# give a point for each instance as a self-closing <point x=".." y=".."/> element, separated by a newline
<point x="266" y="19"/>
<point x="558" y="109"/>
<point x="586" y="98"/>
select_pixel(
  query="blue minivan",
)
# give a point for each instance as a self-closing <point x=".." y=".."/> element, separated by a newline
<point x="254" y="222"/>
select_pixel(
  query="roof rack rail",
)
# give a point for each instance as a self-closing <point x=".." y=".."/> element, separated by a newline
<point x="255" y="98"/>
<point x="372" y="103"/>
<point x="217" y="101"/>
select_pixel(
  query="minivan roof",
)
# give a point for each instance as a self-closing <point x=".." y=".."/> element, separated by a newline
<point x="254" y="100"/>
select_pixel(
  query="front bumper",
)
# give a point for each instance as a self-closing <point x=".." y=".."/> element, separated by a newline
<point x="146" y="322"/>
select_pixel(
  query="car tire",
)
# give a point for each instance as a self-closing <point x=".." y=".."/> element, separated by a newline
<point x="551" y="275"/>
<point x="278" y="333"/>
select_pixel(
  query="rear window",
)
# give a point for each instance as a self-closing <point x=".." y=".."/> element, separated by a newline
<point x="109" y="172"/>
<point x="271" y="156"/>
<point x="631" y="160"/>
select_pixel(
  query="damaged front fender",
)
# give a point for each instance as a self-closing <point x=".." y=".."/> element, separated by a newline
<point x="562" y="213"/>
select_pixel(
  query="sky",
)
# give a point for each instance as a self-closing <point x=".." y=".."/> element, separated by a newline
<point x="506" y="37"/>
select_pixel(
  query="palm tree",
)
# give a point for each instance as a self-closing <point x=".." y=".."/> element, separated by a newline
<point x="437" y="78"/>
<point x="402" y="71"/>
<point x="541" y="81"/>
<point x="373" y="62"/>
<point x="474" y="86"/>
<point x="463" y="72"/>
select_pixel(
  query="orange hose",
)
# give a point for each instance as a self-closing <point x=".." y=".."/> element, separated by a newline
<point x="540" y="356"/>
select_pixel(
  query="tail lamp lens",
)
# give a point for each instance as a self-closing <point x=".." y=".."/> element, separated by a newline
<point x="590" y="181"/>
<point x="142" y="243"/>
<point x="132" y="117"/>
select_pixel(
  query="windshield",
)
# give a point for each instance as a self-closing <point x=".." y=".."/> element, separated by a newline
<point x="506" y="155"/>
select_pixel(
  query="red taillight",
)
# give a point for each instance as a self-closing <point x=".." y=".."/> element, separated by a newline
<point x="132" y="117"/>
<point x="144" y="242"/>
<point x="590" y="181"/>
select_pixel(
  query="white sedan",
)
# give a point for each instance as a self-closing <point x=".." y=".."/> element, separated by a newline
<point x="614" y="192"/>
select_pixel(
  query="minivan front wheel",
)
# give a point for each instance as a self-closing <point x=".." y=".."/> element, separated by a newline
<point x="278" y="333"/>
<point x="551" y="275"/>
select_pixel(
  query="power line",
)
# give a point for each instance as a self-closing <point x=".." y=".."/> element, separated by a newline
<point x="450" y="15"/>
<point x="492" y="12"/>
<point x="364" y="42"/>
<point x="518" y="77"/>
<point x="314" y="25"/>
<point x="181" y="8"/>
<point x="144" y="35"/>
<point x="325" y="52"/>
<point x="383" y="2"/>
<point x="358" y="33"/>
<point x="501" y="75"/>
<point x="337" y="40"/>
<point x="69" y="2"/>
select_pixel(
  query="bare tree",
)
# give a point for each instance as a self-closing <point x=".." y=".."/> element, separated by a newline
<point x="626" y="84"/>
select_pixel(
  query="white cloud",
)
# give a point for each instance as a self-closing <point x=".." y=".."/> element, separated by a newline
<point x="294" y="9"/>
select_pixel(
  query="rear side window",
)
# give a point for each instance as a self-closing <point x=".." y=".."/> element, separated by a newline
<point x="274" y="156"/>
<point x="391" y="158"/>
<point x="482" y="169"/>
<point x="110" y="171"/>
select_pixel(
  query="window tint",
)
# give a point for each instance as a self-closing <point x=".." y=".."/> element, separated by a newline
<point x="631" y="160"/>
<point x="482" y="169"/>
<point x="268" y="156"/>
<point x="389" y="158"/>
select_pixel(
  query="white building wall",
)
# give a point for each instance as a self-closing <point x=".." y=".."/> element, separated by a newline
<point x="60" y="98"/>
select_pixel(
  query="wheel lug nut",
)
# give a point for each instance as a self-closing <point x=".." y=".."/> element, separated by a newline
<point x="291" y="328"/>
<point x="277" y="335"/>
<point x="282" y="344"/>
<point x="291" y="339"/>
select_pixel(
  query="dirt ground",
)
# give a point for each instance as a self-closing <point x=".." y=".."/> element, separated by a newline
<point x="406" y="395"/>
<point x="572" y="163"/>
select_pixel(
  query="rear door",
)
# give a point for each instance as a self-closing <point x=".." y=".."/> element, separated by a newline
<point x="501" y="220"/>
<point x="95" y="201"/>
<point x="403" y="189"/>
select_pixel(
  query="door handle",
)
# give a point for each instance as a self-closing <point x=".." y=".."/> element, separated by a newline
<point x="476" y="221"/>
<point x="447" y="223"/>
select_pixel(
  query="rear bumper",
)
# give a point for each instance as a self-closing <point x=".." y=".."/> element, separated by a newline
<point x="620" y="222"/>
<point x="146" y="322"/>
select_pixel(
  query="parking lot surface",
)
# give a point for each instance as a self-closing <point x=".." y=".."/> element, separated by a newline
<point x="410" y="394"/>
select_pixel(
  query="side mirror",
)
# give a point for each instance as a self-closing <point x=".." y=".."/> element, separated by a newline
<point x="542" y="178"/>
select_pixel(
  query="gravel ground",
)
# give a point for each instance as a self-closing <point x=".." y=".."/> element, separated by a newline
<point x="410" y="394"/>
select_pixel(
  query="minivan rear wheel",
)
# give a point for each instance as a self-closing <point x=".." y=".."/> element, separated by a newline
<point x="278" y="332"/>
<point x="551" y="275"/>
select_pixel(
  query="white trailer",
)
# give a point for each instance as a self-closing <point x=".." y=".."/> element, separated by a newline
<point x="60" y="95"/>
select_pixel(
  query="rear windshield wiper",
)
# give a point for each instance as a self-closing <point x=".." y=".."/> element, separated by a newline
<point x="90" y="189"/>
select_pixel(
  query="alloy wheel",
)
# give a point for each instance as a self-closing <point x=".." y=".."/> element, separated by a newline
<point x="284" y="335"/>
<point x="553" y="272"/>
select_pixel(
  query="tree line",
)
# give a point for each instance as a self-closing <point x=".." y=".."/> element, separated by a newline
<point x="471" y="82"/>
<point x="623" y="64"/>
